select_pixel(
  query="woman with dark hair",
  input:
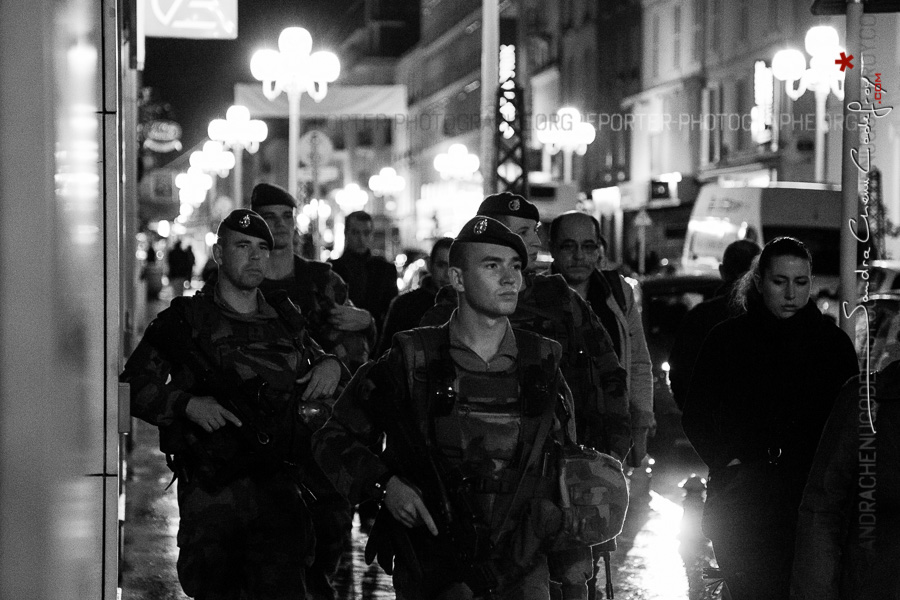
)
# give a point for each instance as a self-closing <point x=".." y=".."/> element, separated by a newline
<point x="762" y="389"/>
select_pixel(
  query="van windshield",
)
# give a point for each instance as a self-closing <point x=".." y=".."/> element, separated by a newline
<point x="824" y="244"/>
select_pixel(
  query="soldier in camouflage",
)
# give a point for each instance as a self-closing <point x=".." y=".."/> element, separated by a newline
<point x="549" y="307"/>
<point x="244" y="529"/>
<point x="340" y="328"/>
<point x="473" y="414"/>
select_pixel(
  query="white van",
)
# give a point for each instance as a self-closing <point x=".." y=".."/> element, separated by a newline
<point x="807" y="211"/>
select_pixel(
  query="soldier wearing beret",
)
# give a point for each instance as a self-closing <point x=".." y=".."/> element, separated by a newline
<point x="470" y="412"/>
<point x="549" y="307"/>
<point x="227" y="377"/>
<point x="340" y="328"/>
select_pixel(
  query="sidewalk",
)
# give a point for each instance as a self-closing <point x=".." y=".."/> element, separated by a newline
<point x="651" y="563"/>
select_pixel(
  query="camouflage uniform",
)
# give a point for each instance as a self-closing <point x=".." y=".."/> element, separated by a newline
<point x="315" y="288"/>
<point x="481" y="423"/>
<point x="249" y="531"/>
<point x="549" y="307"/>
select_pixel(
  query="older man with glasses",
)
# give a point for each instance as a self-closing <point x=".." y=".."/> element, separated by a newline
<point x="578" y="251"/>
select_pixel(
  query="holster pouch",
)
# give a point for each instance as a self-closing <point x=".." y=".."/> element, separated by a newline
<point x="389" y="539"/>
<point x="594" y="495"/>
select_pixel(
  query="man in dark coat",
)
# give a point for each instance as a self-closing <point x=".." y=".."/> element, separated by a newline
<point x="372" y="279"/>
<point x="700" y="320"/>
<point x="408" y="309"/>
<point x="244" y="529"/>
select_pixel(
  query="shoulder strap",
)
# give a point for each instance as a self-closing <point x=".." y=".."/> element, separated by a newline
<point x="290" y="314"/>
<point x="423" y="348"/>
<point x="615" y="283"/>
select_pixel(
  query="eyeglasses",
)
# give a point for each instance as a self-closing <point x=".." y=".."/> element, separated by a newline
<point x="570" y="247"/>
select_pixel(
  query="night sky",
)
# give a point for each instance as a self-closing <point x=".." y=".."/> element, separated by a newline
<point x="197" y="77"/>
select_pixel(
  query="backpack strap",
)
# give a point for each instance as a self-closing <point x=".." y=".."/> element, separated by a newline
<point x="615" y="283"/>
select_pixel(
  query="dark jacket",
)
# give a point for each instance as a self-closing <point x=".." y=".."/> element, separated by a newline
<point x="549" y="307"/>
<point x="763" y="387"/>
<point x="406" y="311"/>
<point x="372" y="281"/>
<point x="848" y="535"/>
<point x="315" y="288"/>
<point x="697" y="324"/>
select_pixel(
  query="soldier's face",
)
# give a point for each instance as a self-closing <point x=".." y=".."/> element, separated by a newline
<point x="281" y="221"/>
<point x="577" y="250"/>
<point x="527" y="229"/>
<point x="358" y="236"/>
<point x="440" y="267"/>
<point x="491" y="279"/>
<point x="242" y="259"/>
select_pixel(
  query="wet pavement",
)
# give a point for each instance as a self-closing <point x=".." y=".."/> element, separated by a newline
<point x="660" y="555"/>
<point x="661" y="552"/>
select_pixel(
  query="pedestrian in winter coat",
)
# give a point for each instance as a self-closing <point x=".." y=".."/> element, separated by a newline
<point x="848" y="537"/>
<point x="761" y="392"/>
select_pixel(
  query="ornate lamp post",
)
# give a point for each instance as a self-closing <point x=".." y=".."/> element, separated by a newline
<point x="569" y="134"/>
<point x="457" y="163"/>
<point x="386" y="185"/>
<point x="822" y="77"/>
<point x="387" y="182"/>
<point x="293" y="70"/>
<point x="238" y="132"/>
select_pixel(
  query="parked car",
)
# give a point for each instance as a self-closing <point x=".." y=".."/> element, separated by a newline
<point x="879" y="276"/>
<point x="878" y="331"/>
<point x="664" y="301"/>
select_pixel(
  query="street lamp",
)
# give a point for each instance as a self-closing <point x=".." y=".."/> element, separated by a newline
<point x="822" y="76"/>
<point x="457" y="163"/>
<point x="567" y="132"/>
<point x="238" y="132"/>
<point x="351" y="198"/>
<point x="293" y="70"/>
<point x="213" y="158"/>
<point x="387" y="183"/>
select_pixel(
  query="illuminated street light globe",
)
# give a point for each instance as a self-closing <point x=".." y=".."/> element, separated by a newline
<point x="788" y="64"/>
<point x="457" y="163"/>
<point x="292" y="69"/>
<point x="213" y="159"/>
<point x="351" y="198"/>
<point x="567" y="132"/>
<point x="387" y="182"/>
<point x="238" y="129"/>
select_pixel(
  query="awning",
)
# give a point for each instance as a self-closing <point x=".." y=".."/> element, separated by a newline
<point x="341" y="101"/>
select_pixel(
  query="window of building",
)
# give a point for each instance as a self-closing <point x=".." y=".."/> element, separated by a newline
<point x="676" y="38"/>
<point x="654" y="44"/>
<point x="773" y="16"/>
<point x="711" y="127"/>
<point x="744" y="20"/>
<point x="715" y="25"/>
<point x="743" y="90"/>
<point x="698" y="31"/>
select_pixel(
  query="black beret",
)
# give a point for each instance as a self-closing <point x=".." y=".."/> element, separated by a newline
<point x="267" y="194"/>
<point x="508" y="204"/>
<point x="485" y="230"/>
<point x="249" y="223"/>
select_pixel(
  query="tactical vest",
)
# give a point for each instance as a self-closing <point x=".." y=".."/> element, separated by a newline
<point x="546" y="310"/>
<point x="268" y="356"/>
<point x="484" y="424"/>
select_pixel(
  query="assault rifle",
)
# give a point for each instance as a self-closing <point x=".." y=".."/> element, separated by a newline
<point x="219" y="457"/>
<point x="444" y="496"/>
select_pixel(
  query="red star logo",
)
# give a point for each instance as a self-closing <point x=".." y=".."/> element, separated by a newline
<point x="844" y="61"/>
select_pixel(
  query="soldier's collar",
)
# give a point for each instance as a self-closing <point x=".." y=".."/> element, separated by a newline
<point x="468" y="359"/>
<point x="263" y="309"/>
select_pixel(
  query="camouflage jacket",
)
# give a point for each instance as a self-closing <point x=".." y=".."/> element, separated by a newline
<point x="599" y="384"/>
<point x="373" y="403"/>
<point x="315" y="288"/>
<point x="261" y="348"/>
